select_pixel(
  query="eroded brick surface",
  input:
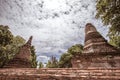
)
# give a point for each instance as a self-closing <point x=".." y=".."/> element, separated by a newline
<point x="22" y="59"/>
<point x="59" y="74"/>
<point x="97" y="52"/>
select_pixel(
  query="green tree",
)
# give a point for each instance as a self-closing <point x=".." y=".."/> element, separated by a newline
<point x="33" y="57"/>
<point x="115" y="41"/>
<point x="41" y="65"/>
<point x="65" y="59"/>
<point x="48" y="65"/>
<point x="6" y="39"/>
<point x="75" y="49"/>
<point x="9" y="45"/>
<point x="109" y="12"/>
<point x="52" y="63"/>
<point x="18" y="41"/>
<point x="6" y="36"/>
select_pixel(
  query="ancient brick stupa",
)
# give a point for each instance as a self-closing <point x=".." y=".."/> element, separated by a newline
<point x="97" y="53"/>
<point x="22" y="59"/>
<point x="95" y="43"/>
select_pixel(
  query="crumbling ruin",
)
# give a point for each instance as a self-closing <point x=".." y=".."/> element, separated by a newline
<point x="22" y="58"/>
<point x="98" y="61"/>
<point x="97" y="52"/>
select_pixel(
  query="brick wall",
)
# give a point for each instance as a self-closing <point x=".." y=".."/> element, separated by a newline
<point x="59" y="74"/>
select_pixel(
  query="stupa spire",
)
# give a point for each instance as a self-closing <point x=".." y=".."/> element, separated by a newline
<point x="29" y="41"/>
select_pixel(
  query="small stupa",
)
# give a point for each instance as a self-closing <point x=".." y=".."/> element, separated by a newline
<point x="22" y="59"/>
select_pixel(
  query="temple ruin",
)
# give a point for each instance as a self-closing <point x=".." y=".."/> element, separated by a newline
<point x="98" y="61"/>
<point x="97" y="52"/>
<point x="22" y="58"/>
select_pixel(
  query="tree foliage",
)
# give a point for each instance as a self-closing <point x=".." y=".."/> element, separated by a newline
<point x="33" y="57"/>
<point x="9" y="45"/>
<point x="18" y="40"/>
<point x="75" y="49"/>
<point x="115" y="41"/>
<point x="41" y="65"/>
<point x="6" y="36"/>
<point x="109" y="12"/>
<point x="52" y="63"/>
<point x="65" y="59"/>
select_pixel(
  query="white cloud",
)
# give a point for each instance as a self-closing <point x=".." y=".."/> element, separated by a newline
<point x="43" y="58"/>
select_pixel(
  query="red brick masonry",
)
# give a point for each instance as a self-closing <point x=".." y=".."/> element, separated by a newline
<point x="59" y="74"/>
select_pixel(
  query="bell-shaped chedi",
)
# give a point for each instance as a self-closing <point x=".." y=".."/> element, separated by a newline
<point x="95" y="43"/>
<point x="22" y="59"/>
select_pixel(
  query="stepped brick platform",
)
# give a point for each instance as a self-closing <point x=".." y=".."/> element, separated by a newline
<point x="59" y="74"/>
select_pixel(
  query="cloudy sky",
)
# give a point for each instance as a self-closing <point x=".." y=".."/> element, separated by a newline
<point x="55" y="25"/>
